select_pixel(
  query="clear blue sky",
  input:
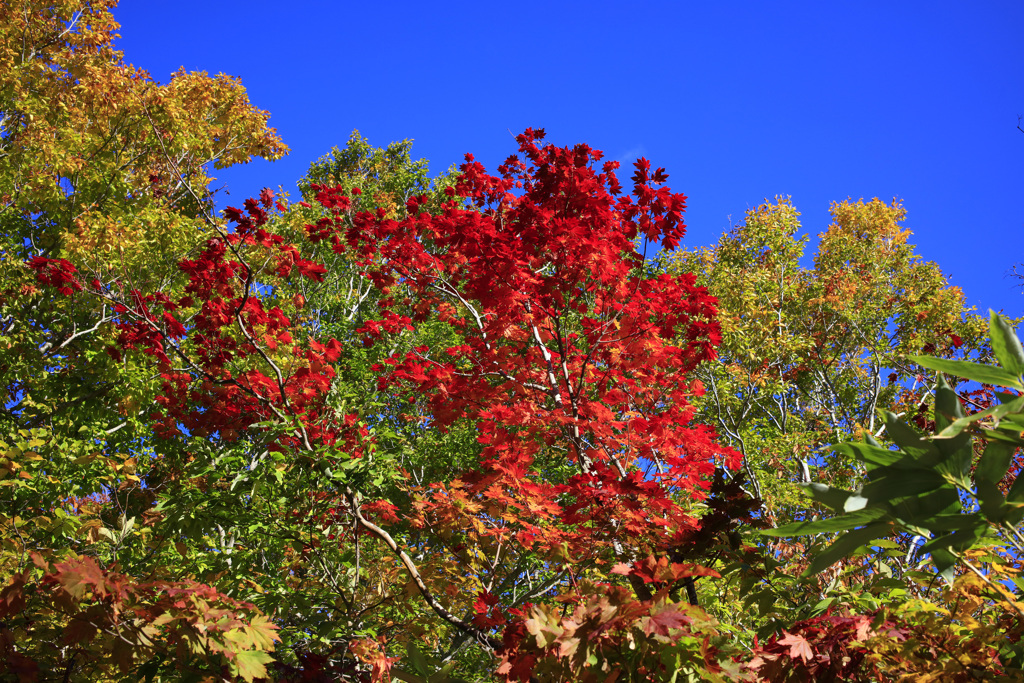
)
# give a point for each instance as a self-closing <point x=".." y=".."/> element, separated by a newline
<point x="739" y="101"/>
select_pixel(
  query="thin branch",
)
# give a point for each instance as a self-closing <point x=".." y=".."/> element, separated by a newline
<point x="410" y="566"/>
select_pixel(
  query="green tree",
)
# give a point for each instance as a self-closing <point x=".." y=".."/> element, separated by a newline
<point x="453" y="428"/>
<point x="808" y="357"/>
<point x="101" y="165"/>
<point x="956" y="489"/>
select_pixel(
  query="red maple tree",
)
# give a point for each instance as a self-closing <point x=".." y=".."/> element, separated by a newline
<point x="572" y="361"/>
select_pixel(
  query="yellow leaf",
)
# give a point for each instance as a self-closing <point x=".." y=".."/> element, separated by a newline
<point x="251" y="664"/>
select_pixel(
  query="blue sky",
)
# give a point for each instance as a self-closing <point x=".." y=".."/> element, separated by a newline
<point x="739" y="101"/>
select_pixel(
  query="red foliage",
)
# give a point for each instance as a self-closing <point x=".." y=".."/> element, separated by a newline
<point x="58" y="273"/>
<point x="570" y="355"/>
<point x="97" y="603"/>
<point x="566" y="343"/>
<point x="826" y="648"/>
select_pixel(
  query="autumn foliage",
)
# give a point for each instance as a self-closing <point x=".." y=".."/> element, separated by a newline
<point x="475" y="427"/>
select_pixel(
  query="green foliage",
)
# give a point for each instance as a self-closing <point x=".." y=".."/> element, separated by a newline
<point x="921" y="487"/>
<point x="808" y="355"/>
<point x="135" y="550"/>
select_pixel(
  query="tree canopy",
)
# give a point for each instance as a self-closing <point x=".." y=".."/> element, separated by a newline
<point x="472" y="426"/>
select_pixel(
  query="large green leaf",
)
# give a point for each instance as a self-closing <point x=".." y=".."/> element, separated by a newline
<point x="994" y="461"/>
<point x="1010" y="436"/>
<point x="977" y="372"/>
<point x="831" y="496"/>
<point x="908" y="439"/>
<point x="1013" y="513"/>
<point x="945" y="564"/>
<point x="1005" y="344"/>
<point x="1015" y="419"/>
<point x="958" y="541"/>
<point x="875" y="456"/>
<point x="997" y="412"/>
<point x="846" y="544"/>
<point x="892" y="488"/>
<point x="948" y="407"/>
<point x="1016" y="492"/>
<point x="841" y="523"/>
<point x="991" y="500"/>
<point x="953" y="522"/>
<point x="957" y="456"/>
<point x="920" y="511"/>
<point x="416" y="658"/>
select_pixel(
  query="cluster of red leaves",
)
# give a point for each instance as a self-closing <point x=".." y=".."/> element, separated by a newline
<point x="566" y="345"/>
<point x="880" y="645"/>
<point x="826" y="648"/>
<point x="728" y="508"/>
<point x="58" y="273"/>
<point x="234" y="347"/>
<point x="608" y="624"/>
<point x="571" y="360"/>
<point x="107" y="614"/>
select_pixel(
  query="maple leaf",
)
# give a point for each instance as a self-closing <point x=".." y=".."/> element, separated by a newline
<point x="79" y="630"/>
<point x="259" y="633"/>
<point x="79" y="576"/>
<point x="251" y="664"/>
<point x="798" y="646"/>
<point x="660" y="622"/>
<point x="864" y="630"/>
<point x="12" y="597"/>
<point x="25" y="668"/>
<point x="622" y="568"/>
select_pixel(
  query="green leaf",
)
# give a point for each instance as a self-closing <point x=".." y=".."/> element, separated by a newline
<point x="416" y="658"/>
<point x="994" y="461"/>
<point x="991" y="500"/>
<point x="957" y="455"/>
<point x="854" y="503"/>
<point x="847" y="544"/>
<point x="908" y="439"/>
<point x="149" y="670"/>
<point x="442" y="675"/>
<point x="1015" y="420"/>
<point x="841" y="523"/>
<point x="959" y="540"/>
<point x="904" y="484"/>
<point x="977" y="372"/>
<point x="1016" y="492"/>
<point x="1013" y="513"/>
<point x="831" y="496"/>
<point x="1011" y="436"/>
<point x="1005" y="344"/>
<point x="945" y="564"/>
<point x="997" y="412"/>
<point x="875" y="456"/>
<point x="951" y="429"/>
<point x="251" y="664"/>
<point x="953" y="522"/>
<point x="821" y="606"/>
<point x="920" y="511"/>
<point x="947" y="404"/>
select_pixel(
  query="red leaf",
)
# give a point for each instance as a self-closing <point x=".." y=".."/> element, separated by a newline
<point x="622" y="568"/>
<point x="798" y="646"/>
<point x="662" y="621"/>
